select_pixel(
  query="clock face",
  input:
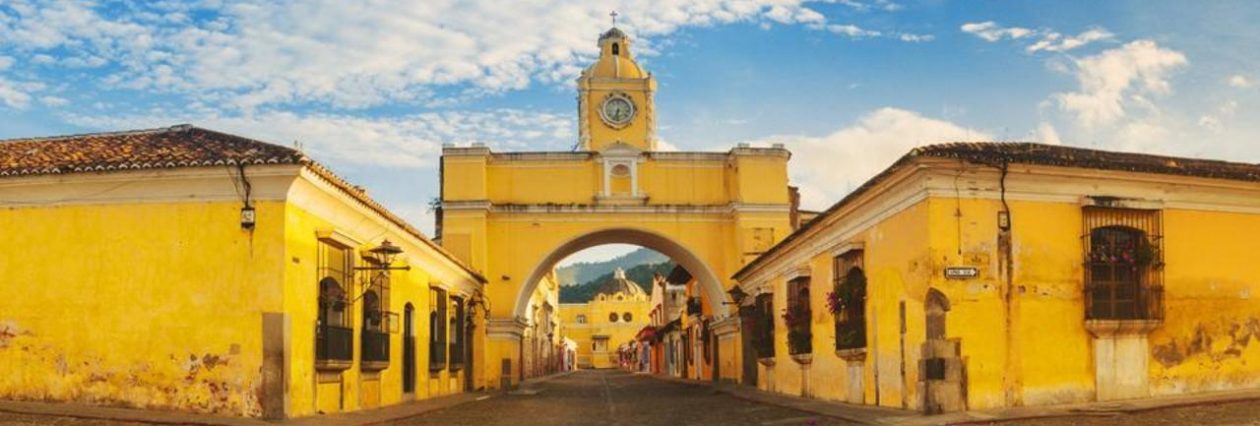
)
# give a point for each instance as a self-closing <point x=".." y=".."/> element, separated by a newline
<point x="617" y="110"/>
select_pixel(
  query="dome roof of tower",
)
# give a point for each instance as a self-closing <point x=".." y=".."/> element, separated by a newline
<point x="611" y="33"/>
<point x="619" y="284"/>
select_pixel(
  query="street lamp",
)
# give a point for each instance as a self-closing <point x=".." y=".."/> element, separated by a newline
<point x="384" y="255"/>
<point x="737" y="294"/>
<point x="381" y="256"/>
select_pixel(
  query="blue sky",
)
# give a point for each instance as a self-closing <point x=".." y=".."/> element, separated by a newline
<point x="373" y="89"/>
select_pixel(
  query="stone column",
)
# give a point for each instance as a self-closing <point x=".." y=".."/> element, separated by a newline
<point x="505" y="337"/>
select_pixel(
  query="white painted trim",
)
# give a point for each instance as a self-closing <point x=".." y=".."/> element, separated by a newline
<point x="337" y="237"/>
<point x="178" y="185"/>
<point x="847" y="247"/>
<point x="798" y="272"/>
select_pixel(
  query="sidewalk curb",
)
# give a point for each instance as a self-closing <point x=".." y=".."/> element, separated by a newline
<point x="122" y="414"/>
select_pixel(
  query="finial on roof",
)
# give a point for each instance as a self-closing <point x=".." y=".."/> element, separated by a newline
<point x="619" y="274"/>
<point x="614" y="18"/>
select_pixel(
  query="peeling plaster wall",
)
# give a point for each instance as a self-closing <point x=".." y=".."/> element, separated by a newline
<point x="1210" y="339"/>
<point x="151" y="305"/>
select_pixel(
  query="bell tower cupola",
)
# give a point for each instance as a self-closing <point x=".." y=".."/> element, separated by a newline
<point x="615" y="99"/>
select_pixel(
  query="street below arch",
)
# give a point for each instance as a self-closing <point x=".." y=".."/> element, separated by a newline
<point x="615" y="397"/>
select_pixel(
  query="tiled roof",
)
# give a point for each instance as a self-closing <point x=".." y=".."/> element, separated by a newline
<point x="174" y="147"/>
<point x="998" y="154"/>
<point x="171" y="147"/>
<point x="1057" y="155"/>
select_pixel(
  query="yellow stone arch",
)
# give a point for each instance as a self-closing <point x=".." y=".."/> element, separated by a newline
<point x="513" y="215"/>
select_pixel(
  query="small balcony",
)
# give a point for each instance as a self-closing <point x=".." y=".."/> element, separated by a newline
<point x="375" y="349"/>
<point x="334" y="347"/>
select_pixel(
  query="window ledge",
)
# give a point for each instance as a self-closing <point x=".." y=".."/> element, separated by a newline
<point x="768" y="361"/>
<point x="333" y="364"/>
<point x="1125" y="327"/>
<point x="852" y="354"/>
<point x="456" y="367"/>
<point x="803" y="359"/>
<point x="374" y="365"/>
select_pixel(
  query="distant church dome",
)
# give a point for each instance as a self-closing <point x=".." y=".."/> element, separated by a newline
<point x="619" y="284"/>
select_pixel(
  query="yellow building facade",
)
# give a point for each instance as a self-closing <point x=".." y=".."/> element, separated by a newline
<point x="543" y="347"/>
<point x="514" y="215"/>
<point x="618" y="310"/>
<point x="187" y="269"/>
<point x="978" y="276"/>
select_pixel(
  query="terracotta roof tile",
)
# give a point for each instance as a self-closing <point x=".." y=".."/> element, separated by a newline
<point x="171" y="147"/>
<point x="1065" y="156"/>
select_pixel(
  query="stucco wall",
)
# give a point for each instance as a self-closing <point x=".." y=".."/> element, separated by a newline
<point x="155" y="305"/>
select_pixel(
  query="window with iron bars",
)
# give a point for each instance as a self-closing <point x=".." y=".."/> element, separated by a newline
<point x="457" y="333"/>
<point x="374" y="344"/>
<point x="848" y="300"/>
<point x="334" y="338"/>
<point x="437" y="329"/>
<point x="764" y="315"/>
<point x="799" y="317"/>
<point x="1123" y="264"/>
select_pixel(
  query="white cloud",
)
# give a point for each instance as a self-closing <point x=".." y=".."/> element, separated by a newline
<point x="1055" y="42"/>
<point x="13" y="94"/>
<point x="1046" y="133"/>
<point x="1216" y="120"/>
<point x="991" y="31"/>
<point x="1240" y="81"/>
<point x="828" y="167"/>
<point x="866" y="6"/>
<point x="412" y="141"/>
<point x="53" y="101"/>
<point x="915" y="38"/>
<point x="1045" y="40"/>
<point x="253" y="53"/>
<point x="852" y="31"/>
<point x="1119" y="79"/>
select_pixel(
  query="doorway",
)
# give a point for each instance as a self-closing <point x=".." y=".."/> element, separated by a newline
<point x="409" y="350"/>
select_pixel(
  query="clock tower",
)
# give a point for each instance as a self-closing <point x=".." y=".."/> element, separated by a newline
<point x="615" y="97"/>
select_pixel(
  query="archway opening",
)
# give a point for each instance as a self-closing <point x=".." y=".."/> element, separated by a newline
<point x="627" y="299"/>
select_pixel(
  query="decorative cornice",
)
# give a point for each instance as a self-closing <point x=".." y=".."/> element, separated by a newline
<point x="510" y="328"/>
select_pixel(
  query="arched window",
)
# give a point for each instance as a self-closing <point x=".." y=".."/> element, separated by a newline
<point x="372" y="311"/>
<point x="934" y="308"/>
<point x="332" y="302"/>
<point x="616" y="49"/>
<point x="581" y="319"/>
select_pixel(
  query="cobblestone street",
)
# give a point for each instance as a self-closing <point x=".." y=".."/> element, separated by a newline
<point x="608" y="397"/>
<point x="603" y="397"/>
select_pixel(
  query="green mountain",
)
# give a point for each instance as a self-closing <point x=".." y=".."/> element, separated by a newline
<point x="640" y="274"/>
<point x="583" y="272"/>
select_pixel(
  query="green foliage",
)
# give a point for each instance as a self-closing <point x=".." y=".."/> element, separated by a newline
<point x="640" y="274"/>
<point x="583" y="272"/>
